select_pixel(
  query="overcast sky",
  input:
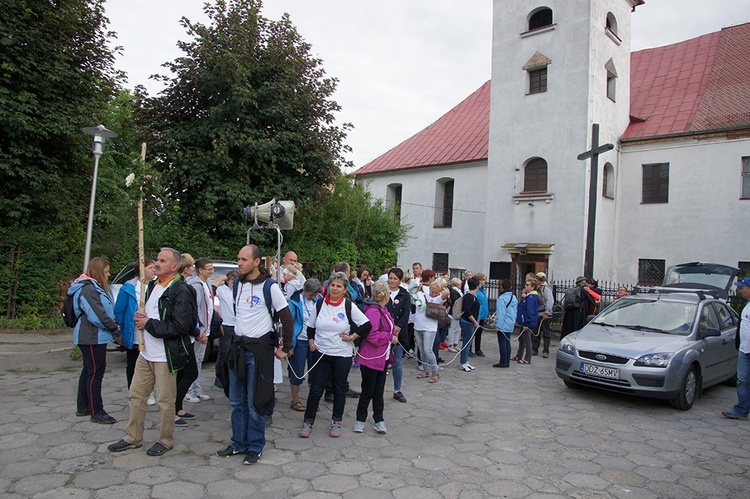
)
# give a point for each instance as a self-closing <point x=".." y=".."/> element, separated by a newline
<point x="401" y="64"/>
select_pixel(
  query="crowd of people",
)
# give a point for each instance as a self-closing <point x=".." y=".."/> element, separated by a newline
<point x="323" y="330"/>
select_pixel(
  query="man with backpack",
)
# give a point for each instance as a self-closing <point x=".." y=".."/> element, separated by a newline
<point x="171" y="316"/>
<point x="250" y="362"/>
<point x="545" y="317"/>
<point x="576" y="305"/>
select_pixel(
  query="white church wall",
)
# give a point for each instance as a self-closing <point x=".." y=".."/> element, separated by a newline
<point x="463" y="241"/>
<point x="704" y="220"/>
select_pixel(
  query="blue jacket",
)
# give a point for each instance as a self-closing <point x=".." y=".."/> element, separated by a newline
<point x="506" y="309"/>
<point x="528" y="310"/>
<point x="93" y="305"/>
<point x="298" y="314"/>
<point x="484" y="305"/>
<point x="125" y="308"/>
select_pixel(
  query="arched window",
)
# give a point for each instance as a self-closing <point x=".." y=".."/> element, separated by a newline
<point x="540" y="18"/>
<point x="444" y="202"/>
<point x="393" y="198"/>
<point x="612" y="24"/>
<point x="535" y="176"/>
<point x="608" y="181"/>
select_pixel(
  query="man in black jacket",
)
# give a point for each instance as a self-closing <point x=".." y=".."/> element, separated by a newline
<point x="171" y="316"/>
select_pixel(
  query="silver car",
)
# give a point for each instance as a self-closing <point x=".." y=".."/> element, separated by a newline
<point x="667" y="343"/>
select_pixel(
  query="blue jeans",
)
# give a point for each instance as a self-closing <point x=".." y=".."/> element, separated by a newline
<point x="248" y="426"/>
<point x="743" y="384"/>
<point x="467" y="329"/>
<point x="503" y="343"/>
<point x="298" y="361"/>
<point x="398" y="367"/>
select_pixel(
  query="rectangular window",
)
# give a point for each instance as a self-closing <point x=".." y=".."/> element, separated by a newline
<point x="446" y="215"/>
<point x="651" y="272"/>
<point x="538" y="81"/>
<point x="746" y="177"/>
<point x="393" y="198"/>
<point x="611" y="86"/>
<point x="655" y="183"/>
<point x="440" y="262"/>
<point x="499" y="270"/>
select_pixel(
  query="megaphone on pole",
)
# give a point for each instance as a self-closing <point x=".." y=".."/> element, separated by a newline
<point x="276" y="213"/>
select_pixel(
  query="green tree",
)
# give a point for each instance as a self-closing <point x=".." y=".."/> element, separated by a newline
<point x="56" y="76"/>
<point x="247" y="116"/>
<point x="346" y="224"/>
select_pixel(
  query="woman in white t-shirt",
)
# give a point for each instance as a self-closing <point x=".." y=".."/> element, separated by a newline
<point x="425" y="329"/>
<point x="332" y="328"/>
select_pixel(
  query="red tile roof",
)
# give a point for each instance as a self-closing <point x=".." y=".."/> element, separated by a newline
<point x="459" y="136"/>
<point x="698" y="85"/>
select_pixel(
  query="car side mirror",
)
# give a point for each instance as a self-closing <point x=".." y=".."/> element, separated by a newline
<point x="710" y="331"/>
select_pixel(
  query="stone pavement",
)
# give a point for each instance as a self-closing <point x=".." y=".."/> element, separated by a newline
<point x="515" y="432"/>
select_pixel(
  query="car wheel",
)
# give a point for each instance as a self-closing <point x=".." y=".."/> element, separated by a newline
<point x="688" y="391"/>
<point x="731" y="381"/>
<point x="570" y="384"/>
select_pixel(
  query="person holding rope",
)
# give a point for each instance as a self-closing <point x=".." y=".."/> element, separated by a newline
<point x="425" y="328"/>
<point x="333" y="327"/>
<point x="301" y="304"/>
<point x="372" y="357"/>
<point x="399" y="306"/>
<point x="469" y="323"/>
<point x="506" y="309"/>
<point x="527" y="317"/>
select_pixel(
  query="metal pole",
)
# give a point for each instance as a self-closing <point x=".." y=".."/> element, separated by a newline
<point x="90" y="226"/>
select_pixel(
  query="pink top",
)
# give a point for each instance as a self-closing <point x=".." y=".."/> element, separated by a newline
<point x="375" y="347"/>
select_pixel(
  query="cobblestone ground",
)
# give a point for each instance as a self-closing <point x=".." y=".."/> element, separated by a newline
<point x="515" y="432"/>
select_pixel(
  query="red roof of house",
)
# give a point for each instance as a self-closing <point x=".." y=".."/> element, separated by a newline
<point x="698" y="85"/>
<point x="459" y="136"/>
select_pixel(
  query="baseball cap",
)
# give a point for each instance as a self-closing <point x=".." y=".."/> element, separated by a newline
<point x="743" y="282"/>
<point x="541" y="275"/>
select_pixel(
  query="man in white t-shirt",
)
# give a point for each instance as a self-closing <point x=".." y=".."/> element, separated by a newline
<point x="170" y="316"/>
<point x="742" y="342"/>
<point x="250" y="363"/>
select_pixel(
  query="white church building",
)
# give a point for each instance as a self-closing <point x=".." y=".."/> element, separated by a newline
<point x="495" y="185"/>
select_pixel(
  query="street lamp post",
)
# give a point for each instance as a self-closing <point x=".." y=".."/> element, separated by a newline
<point x="101" y="135"/>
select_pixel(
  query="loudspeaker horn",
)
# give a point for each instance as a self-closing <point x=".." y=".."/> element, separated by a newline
<point x="280" y="213"/>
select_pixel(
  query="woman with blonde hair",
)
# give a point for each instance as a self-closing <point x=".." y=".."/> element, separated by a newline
<point x="373" y="356"/>
<point x="96" y="327"/>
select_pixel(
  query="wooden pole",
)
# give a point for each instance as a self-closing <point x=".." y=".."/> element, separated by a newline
<point x="141" y="254"/>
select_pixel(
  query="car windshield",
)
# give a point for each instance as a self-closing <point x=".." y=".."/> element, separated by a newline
<point x="663" y="316"/>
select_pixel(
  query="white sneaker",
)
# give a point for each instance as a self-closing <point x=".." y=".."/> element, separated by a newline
<point x="191" y="398"/>
<point x="466" y="367"/>
<point x="151" y="399"/>
<point x="359" y="427"/>
<point x="470" y="366"/>
<point x="203" y="396"/>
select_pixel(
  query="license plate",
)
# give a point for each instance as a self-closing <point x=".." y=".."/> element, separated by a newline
<point x="604" y="372"/>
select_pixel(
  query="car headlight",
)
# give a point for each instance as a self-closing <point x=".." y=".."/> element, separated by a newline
<point x="566" y="346"/>
<point x="654" y="360"/>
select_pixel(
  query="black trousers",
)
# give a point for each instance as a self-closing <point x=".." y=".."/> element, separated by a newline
<point x="373" y="387"/>
<point x="338" y="368"/>
<point x="185" y="378"/>
<point x="90" y="381"/>
<point x="225" y="344"/>
<point x="131" y="356"/>
<point x="478" y="340"/>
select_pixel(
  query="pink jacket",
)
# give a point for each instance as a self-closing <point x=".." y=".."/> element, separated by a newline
<point x="372" y="351"/>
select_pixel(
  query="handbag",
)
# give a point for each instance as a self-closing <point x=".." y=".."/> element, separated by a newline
<point x="439" y="313"/>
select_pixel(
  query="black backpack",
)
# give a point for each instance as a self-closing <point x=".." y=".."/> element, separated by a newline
<point x="572" y="299"/>
<point x="70" y="317"/>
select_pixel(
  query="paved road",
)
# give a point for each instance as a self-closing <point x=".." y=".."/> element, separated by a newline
<point x="514" y="432"/>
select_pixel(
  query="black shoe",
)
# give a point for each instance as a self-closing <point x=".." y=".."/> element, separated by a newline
<point x="500" y="365"/>
<point x="103" y="418"/>
<point x="399" y="396"/>
<point x="229" y="451"/>
<point x="440" y="360"/>
<point x="534" y="353"/>
<point x="329" y="397"/>
<point x="180" y="423"/>
<point x="83" y="413"/>
<point x="158" y="449"/>
<point x="471" y="354"/>
<point x="480" y="353"/>
<point x="122" y="445"/>
<point x="187" y="416"/>
<point x="352" y="394"/>
<point x="545" y="355"/>
<point x="252" y="457"/>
